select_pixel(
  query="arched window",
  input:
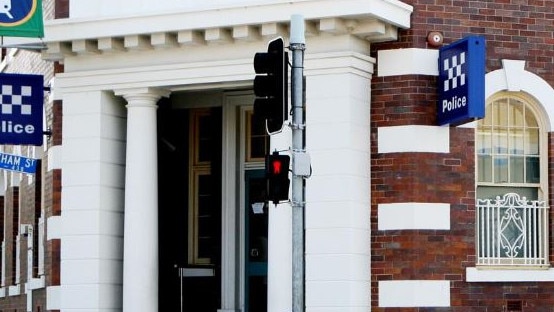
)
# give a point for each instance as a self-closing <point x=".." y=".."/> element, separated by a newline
<point x="512" y="213"/>
<point x="511" y="147"/>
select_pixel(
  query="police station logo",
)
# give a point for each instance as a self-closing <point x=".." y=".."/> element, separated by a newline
<point x="454" y="82"/>
<point x="455" y="71"/>
<point x="16" y="12"/>
<point x="16" y="99"/>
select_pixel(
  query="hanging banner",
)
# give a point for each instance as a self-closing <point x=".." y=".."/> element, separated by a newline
<point x="21" y="18"/>
<point x="18" y="163"/>
<point x="21" y="102"/>
<point x="461" y="81"/>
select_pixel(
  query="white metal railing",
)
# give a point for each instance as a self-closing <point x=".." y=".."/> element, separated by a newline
<point x="512" y="230"/>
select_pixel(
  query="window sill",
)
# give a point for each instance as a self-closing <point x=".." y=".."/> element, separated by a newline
<point x="36" y="283"/>
<point x="509" y="275"/>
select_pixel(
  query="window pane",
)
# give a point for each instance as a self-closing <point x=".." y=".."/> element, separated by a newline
<point x="206" y="219"/>
<point x="533" y="170"/>
<point x="258" y="139"/>
<point x="500" y="113"/>
<point x="205" y="142"/>
<point x="484" y="141"/>
<point x="516" y="114"/>
<point x="500" y="141"/>
<point x="500" y="169"/>
<point x="532" y="142"/>
<point x="516" y="142"/>
<point x="516" y="169"/>
<point x="484" y="165"/>
<point x="530" y="120"/>
<point x="258" y="149"/>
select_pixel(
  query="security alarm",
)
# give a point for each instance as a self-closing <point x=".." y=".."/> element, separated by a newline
<point x="435" y="38"/>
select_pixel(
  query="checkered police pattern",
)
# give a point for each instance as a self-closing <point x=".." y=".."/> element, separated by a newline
<point x="18" y="96"/>
<point x="456" y="75"/>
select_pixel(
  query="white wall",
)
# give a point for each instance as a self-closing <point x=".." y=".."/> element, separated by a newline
<point x="92" y="215"/>
<point x="338" y="192"/>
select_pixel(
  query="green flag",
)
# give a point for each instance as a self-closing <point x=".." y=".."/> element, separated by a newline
<point x="21" y="18"/>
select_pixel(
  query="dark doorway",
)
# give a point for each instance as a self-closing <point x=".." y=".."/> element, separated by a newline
<point x="189" y="190"/>
<point x="256" y="241"/>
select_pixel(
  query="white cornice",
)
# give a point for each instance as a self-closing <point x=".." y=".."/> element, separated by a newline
<point x="371" y="20"/>
<point x="391" y="12"/>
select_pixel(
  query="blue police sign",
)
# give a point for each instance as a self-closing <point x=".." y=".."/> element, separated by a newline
<point x="21" y="101"/>
<point x="461" y="81"/>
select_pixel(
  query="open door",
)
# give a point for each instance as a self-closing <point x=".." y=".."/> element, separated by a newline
<point x="256" y="241"/>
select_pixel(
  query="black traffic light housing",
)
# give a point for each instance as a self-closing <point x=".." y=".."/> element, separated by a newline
<point x="271" y="85"/>
<point x="277" y="175"/>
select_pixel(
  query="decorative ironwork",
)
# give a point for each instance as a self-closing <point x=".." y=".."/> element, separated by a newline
<point x="512" y="231"/>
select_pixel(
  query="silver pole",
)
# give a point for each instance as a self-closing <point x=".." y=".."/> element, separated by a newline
<point x="181" y="281"/>
<point x="297" y="46"/>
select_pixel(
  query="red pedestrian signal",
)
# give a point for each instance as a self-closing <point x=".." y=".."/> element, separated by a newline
<point x="276" y="167"/>
<point x="277" y="175"/>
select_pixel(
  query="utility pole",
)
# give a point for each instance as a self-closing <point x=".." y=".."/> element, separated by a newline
<point x="271" y="103"/>
<point x="299" y="160"/>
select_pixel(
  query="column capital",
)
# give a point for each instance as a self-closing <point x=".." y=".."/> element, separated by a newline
<point x="146" y="93"/>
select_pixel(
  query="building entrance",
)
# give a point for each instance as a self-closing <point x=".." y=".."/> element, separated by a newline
<point x="189" y="209"/>
<point x="213" y="247"/>
<point x="256" y="241"/>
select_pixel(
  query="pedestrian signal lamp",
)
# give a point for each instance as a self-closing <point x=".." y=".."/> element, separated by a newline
<point x="277" y="174"/>
<point x="270" y="85"/>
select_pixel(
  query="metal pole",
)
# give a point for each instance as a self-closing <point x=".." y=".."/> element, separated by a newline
<point x="181" y="278"/>
<point x="297" y="46"/>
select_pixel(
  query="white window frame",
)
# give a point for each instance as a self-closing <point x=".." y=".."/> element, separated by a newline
<point x="513" y="77"/>
<point x="532" y="106"/>
<point x="501" y="259"/>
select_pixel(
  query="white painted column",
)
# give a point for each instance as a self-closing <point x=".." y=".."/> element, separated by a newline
<point x="338" y="227"/>
<point x="90" y="226"/>
<point x="140" y="251"/>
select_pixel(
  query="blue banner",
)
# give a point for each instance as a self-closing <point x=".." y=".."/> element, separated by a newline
<point x="18" y="163"/>
<point x="461" y="81"/>
<point x="21" y="101"/>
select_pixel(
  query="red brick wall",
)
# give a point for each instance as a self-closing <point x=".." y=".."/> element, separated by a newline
<point x="53" y="247"/>
<point x="61" y="8"/>
<point x="513" y="29"/>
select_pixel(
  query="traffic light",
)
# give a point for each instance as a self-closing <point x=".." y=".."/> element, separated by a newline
<point x="271" y="84"/>
<point x="277" y="175"/>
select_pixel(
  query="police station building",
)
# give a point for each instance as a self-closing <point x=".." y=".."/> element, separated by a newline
<point x="427" y="124"/>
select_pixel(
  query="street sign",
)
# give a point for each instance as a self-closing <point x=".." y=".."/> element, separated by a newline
<point x="18" y="163"/>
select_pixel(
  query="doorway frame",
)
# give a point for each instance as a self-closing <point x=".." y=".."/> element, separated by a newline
<point x="233" y="271"/>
